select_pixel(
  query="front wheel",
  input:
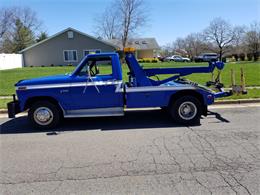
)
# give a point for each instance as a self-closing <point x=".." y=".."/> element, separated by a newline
<point x="186" y="110"/>
<point x="44" y="115"/>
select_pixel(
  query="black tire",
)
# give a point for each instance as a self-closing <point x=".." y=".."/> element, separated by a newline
<point x="178" y="114"/>
<point x="44" y="106"/>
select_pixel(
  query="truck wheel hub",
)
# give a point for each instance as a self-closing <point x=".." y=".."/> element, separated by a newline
<point x="187" y="110"/>
<point x="43" y="116"/>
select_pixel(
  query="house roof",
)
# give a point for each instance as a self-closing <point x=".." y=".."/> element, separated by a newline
<point x="138" y="43"/>
<point x="65" y="30"/>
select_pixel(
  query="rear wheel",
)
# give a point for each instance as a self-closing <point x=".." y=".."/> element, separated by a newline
<point x="186" y="110"/>
<point x="44" y="115"/>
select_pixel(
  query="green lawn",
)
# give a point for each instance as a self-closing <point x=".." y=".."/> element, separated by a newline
<point x="3" y="102"/>
<point x="9" y="77"/>
<point x="251" y="93"/>
<point x="252" y="72"/>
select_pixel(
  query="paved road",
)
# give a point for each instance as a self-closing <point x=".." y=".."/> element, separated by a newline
<point x="141" y="153"/>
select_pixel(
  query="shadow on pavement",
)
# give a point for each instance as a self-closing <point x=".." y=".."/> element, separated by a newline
<point x="132" y="120"/>
<point x="218" y="116"/>
<point x="146" y="119"/>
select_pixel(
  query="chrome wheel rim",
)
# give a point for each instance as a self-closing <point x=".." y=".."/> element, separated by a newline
<point x="187" y="110"/>
<point x="43" y="116"/>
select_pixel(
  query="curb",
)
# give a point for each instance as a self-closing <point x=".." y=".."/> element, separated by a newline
<point x="238" y="101"/>
<point x="219" y="102"/>
<point x="3" y="111"/>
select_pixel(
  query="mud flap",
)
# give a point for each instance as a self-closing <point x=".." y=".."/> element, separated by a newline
<point x="13" y="109"/>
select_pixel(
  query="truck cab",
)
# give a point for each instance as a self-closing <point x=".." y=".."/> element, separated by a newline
<point x="96" y="88"/>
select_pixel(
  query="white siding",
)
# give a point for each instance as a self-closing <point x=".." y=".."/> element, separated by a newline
<point x="9" y="61"/>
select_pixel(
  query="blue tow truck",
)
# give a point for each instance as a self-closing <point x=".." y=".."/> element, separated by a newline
<point x="96" y="88"/>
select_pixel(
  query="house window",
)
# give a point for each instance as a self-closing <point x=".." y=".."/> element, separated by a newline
<point x="91" y="51"/>
<point x="70" y="34"/>
<point x="70" y="55"/>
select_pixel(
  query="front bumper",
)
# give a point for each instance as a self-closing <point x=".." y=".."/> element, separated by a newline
<point x="13" y="108"/>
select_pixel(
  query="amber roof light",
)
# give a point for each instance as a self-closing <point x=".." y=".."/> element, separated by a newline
<point x="129" y="49"/>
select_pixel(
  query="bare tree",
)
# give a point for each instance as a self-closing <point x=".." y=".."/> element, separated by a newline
<point x="191" y="45"/>
<point x="179" y="44"/>
<point x="6" y="19"/>
<point x="29" y="18"/>
<point x="252" y="40"/>
<point x="166" y="50"/>
<point x="22" y="38"/>
<point x="221" y="34"/>
<point x="107" y="25"/>
<point x="194" y="45"/>
<point x="123" y="19"/>
<point x="133" y="16"/>
<point x="18" y="28"/>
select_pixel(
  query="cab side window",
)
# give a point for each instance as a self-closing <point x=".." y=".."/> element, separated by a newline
<point x="97" y="66"/>
<point x="103" y="65"/>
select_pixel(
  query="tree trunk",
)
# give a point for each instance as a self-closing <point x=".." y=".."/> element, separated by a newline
<point x="255" y="56"/>
<point x="220" y="56"/>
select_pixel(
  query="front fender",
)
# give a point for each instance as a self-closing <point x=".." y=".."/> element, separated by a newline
<point x="26" y="95"/>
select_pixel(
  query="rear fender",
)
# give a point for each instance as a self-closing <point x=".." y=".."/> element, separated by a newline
<point x="202" y="97"/>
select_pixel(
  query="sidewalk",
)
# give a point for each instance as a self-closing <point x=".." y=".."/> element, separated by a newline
<point x="238" y="101"/>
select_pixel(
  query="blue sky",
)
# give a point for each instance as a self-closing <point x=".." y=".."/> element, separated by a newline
<point x="168" y="20"/>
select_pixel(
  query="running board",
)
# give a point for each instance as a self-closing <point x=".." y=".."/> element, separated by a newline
<point x="97" y="112"/>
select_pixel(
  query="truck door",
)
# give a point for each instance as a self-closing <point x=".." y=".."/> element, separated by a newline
<point x="96" y="89"/>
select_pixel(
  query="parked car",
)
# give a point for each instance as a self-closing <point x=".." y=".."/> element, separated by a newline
<point x="177" y="58"/>
<point x="206" y="57"/>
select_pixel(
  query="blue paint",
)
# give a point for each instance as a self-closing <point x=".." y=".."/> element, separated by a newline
<point x="45" y="80"/>
<point x="136" y="71"/>
<point x="78" y="92"/>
